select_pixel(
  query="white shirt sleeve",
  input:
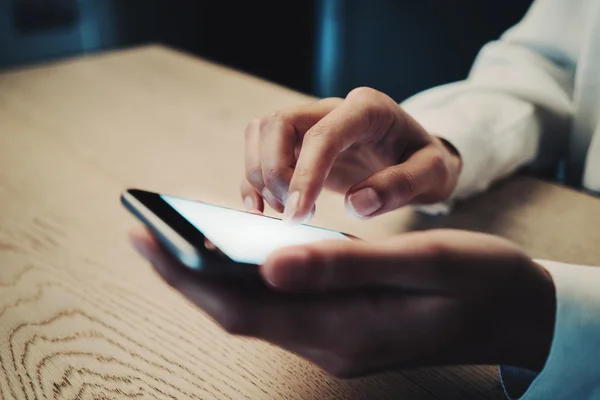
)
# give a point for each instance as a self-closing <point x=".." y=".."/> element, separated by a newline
<point x="572" y="370"/>
<point x="514" y="109"/>
<point x="519" y="88"/>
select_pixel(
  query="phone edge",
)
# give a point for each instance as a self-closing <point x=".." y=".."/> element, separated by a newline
<point x="183" y="250"/>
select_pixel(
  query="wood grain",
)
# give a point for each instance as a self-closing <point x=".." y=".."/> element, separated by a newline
<point x="81" y="316"/>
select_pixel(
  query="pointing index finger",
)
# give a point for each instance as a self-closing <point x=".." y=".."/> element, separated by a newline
<point x="365" y="115"/>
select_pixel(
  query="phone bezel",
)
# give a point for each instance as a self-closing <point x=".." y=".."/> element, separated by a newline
<point x="188" y="244"/>
<point x="181" y="238"/>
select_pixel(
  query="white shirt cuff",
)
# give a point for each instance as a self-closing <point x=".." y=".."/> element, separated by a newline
<point x="494" y="134"/>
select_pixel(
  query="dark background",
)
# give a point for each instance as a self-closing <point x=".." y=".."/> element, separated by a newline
<point x="321" y="47"/>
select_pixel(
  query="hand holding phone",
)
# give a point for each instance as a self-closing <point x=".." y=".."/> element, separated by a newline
<point x="217" y="240"/>
<point x="354" y="308"/>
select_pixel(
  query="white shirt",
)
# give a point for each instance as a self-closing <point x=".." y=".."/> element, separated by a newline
<point x="533" y="98"/>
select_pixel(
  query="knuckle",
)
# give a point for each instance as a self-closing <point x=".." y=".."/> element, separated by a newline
<point x="405" y="181"/>
<point x="252" y="128"/>
<point x="279" y="123"/>
<point x="334" y="144"/>
<point x="438" y="165"/>
<point x="410" y="183"/>
<point x="376" y="109"/>
<point x="332" y="101"/>
<point x="271" y="120"/>
<point x="303" y="174"/>
<point x="318" y="131"/>
<point x="363" y="93"/>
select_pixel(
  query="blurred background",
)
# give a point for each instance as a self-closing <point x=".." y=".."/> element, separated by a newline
<point x="319" y="47"/>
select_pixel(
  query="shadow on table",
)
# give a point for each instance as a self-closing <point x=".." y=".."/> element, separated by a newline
<point x="450" y="383"/>
<point x="495" y="211"/>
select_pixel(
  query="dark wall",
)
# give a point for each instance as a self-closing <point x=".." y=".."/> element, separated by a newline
<point x="263" y="38"/>
<point x="324" y="47"/>
<point x="403" y="47"/>
<point x="272" y="39"/>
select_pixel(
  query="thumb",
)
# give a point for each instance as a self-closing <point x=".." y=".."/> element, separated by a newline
<point x="440" y="261"/>
<point x="338" y="264"/>
<point x="422" y="177"/>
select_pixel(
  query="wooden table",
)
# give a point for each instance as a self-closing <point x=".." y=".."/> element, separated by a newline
<point x="82" y="316"/>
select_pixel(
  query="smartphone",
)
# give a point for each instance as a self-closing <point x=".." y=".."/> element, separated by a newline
<point x="217" y="240"/>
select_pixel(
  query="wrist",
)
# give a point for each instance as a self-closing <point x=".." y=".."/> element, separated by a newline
<point x="541" y="320"/>
<point x="526" y="327"/>
<point x="512" y="323"/>
<point x="509" y="321"/>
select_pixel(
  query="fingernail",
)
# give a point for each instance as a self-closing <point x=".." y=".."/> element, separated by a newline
<point x="291" y="206"/>
<point x="249" y="203"/>
<point x="268" y="196"/>
<point x="364" y="202"/>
